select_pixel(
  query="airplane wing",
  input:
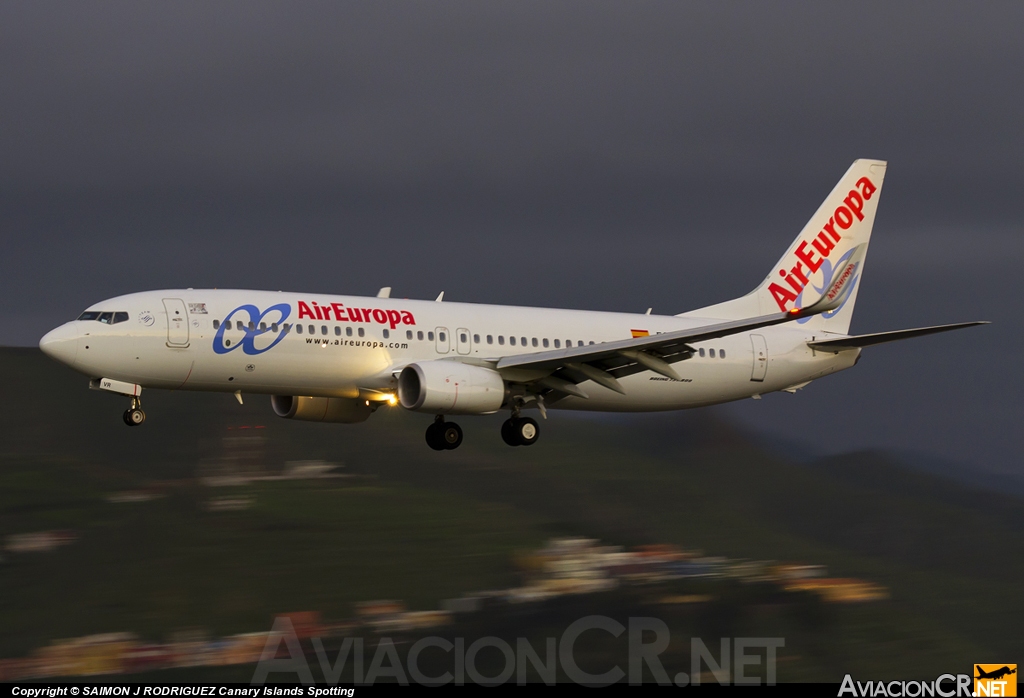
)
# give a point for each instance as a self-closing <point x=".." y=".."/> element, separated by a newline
<point x="867" y="340"/>
<point x="560" y="370"/>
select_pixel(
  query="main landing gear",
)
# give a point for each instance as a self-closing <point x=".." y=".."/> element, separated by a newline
<point x="520" y="431"/>
<point x="444" y="436"/>
<point x="447" y="436"/>
<point x="134" y="416"/>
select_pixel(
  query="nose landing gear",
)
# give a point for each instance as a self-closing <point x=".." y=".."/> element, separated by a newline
<point x="134" y="416"/>
<point x="444" y="436"/>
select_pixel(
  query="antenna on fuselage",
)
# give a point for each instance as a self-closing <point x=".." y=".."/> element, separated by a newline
<point x="440" y="297"/>
<point x="385" y="292"/>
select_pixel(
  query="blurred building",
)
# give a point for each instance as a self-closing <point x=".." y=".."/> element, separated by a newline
<point x="240" y="456"/>
<point x="39" y="541"/>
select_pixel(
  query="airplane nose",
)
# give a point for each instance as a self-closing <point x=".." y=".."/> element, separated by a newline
<point x="61" y="344"/>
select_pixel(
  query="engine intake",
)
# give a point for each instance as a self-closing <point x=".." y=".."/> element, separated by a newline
<point x="450" y="387"/>
<point x="342" y="410"/>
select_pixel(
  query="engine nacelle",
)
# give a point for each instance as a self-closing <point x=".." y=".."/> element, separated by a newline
<point x="344" y="410"/>
<point x="450" y="387"/>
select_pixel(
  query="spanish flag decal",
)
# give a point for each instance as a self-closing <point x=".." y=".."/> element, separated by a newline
<point x="640" y="333"/>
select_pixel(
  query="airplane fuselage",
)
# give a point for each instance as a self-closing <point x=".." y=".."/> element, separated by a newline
<point x="337" y="346"/>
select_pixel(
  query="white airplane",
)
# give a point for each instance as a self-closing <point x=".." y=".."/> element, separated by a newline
<point x="339" y="358"/>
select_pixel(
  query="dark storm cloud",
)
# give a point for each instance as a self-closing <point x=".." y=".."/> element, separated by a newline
<point x="269" y="96"/>
<point x="597" y="155"/>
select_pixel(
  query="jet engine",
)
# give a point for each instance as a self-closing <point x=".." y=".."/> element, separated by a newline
<point x="450" y="387"/>
<point x="344" y="410"/>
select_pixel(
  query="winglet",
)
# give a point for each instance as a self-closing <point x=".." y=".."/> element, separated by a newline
<point x="841" y="287"/>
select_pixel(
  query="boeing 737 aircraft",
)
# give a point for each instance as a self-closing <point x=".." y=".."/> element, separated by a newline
<point x="339" y="358"/>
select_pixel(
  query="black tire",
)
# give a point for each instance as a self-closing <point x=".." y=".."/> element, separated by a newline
<point x="451" y="435"/>
<point x="435" y="438"/>
<point x="508" y="432"/>
<point x="526" y="431"/>
<point x="124" y="418"/>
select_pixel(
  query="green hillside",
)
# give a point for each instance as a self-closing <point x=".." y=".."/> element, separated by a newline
<point x="421" y="526"/>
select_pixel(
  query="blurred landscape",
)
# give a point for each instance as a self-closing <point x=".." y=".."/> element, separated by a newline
<point x="214" y="518"/>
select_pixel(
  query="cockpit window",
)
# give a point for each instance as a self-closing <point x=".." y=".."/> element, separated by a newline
<point x="105" y="318"/>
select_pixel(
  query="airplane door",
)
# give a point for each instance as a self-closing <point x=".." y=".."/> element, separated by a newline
<point x="462" y="340"/>
<point x="760" y="357"/>
<point x="177" y="322"/>
<point x="442" y="339"/>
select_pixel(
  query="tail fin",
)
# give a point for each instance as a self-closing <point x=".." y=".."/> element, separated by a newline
<point x="840" y="226"/>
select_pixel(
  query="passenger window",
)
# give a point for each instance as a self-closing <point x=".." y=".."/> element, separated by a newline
<point x="545" y="342"/>
<point x="524" y="340"/>
<point x="348" y="331"/>
<point x="337" y="330"/>
<point x="463" y="337"/>
<point x="387" y="333"/>
<point x="362" y="332"/>
<point x="252" y="325"/>
<point x="419" y="335"/>
<point x="721" y="353"/>
<point x="105" y="318"/>
<point x="441" y="337"/>
<point x="239" y="325"/>
<point x="711" y="352"/>
<point x="408" y="334"/>
<point x="323" y="329"/>
<point x="263" y="326"/>
<point x="534" y="342"/>
<point x="476" y="339"/>
<point x="216" y="324"/>
<point x="430" y="336"/>
<point x="120" y="317"/>
<point x="312" y="329"/>
<point x="701" y="352"/>
<point x="273" y="327"/>
<point x="512" y="341"/>
<point x="89" y="315"/>
<point x="490" y="339"/>
<point x="558" y="344"/>
<point x="501" y="339"/>
<point x="298" y="329"/>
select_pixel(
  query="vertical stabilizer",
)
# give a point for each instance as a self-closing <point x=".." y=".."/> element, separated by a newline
<point x="840" y="226"/>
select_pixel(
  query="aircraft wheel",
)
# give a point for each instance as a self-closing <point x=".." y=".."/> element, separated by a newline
<point x="526" y="431"/>
<point x="435" y="437"/>
<point x="451" y="435"/>
<point x="124" y="417"/>
<point x="508" y="432"/>
<point x="135" y="417"/>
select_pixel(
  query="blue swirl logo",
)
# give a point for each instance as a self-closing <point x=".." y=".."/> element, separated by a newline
<point x="252" y="329"/>
<point x="828" y="272"/>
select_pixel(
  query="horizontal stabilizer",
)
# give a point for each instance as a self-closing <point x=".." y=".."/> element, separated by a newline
<point x="867" y="340"/>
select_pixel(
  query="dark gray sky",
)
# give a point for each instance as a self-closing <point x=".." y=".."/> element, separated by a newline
<point x="592" y="155"/>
